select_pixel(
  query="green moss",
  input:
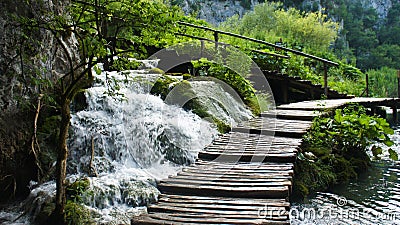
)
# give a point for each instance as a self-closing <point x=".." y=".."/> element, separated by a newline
<point x="162" y="86"/>
<point x="156" y="71"/>
<point x="221" y="126"/>
<point x="186" y="76"/>
<point x="182" y="93"/>
<point x="76" y="214"/>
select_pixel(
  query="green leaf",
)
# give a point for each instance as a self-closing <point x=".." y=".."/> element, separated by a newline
<point x="97" y="70"/>
<point x="376" y="151"/>
<point x="388" y="143"/>
<point x="393" y="155"/>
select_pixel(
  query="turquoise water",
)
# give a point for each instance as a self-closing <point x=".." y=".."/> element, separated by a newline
<point x="374" y="198"/>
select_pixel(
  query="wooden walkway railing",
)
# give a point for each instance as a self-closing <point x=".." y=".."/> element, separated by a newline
<point x="216" y="33"/>
<point x="245" y="176"/>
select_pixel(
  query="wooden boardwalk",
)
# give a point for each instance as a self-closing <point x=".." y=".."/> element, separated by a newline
<point x="245" y="176"/>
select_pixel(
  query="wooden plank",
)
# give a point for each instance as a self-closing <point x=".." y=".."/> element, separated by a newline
<point x="227" y="179"/>
<point x="236" y="176"/>
<point x="249" y="157"/>
<point x="271" y="126"/>
<point x="236" y="170"/>
<point x="194" y="218"/>
<point x="240" y="192"/>
<point x="293" y="114"/>
<point x="273" y="217"/>
<point x="255" y="151"/>
<point x="241" y="164"/>
<point x="245" y="210"/>
<point x="207" y="210"/>
<point x="227" y="183"/>
<point x="223" y="200"/>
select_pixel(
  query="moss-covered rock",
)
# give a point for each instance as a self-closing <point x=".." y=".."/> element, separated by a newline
<point x="162" y="86"/>
<point x="186" y="76"/>
<point x="156" y="71"/>
<point x="77" y="214"/>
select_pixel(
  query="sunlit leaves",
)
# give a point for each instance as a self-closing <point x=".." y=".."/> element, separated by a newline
<point x="393" y="155"/>
<point x="270" y="22"/>
<point x="123" y="25"/>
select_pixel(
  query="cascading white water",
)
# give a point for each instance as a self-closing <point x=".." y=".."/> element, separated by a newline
<point x="221" y="101"/>
<point x="137" y="139"/>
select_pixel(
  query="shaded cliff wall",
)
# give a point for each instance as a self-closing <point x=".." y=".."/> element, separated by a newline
<point x="31" y="61"/>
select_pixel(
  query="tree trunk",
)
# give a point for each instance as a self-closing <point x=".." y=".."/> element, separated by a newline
<point x="61" y="165"/>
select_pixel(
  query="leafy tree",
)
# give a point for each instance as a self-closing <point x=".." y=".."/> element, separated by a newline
<point x="97" y="30"/>
<point x="270" y="22"/>
<point x="390" y="31"/>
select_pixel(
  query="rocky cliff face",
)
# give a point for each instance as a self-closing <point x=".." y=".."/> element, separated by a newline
<point x="27" y="58"/>
<point x="216" y="11"/>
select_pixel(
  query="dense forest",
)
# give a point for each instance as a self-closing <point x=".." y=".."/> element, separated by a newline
<point x="49" y="48"/>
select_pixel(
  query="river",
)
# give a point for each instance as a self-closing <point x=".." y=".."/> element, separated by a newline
<point x="373" y="198"/>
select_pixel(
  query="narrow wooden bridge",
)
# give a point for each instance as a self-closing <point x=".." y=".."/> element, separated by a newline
<point x="245" y="176"/>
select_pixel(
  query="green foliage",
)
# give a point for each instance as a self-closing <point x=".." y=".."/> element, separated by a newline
<point x="75" y="212"/>
<point x="124" y="63"/>
<point x="75" y="190"/>
<point x="125" y="26"/>
<point x="270" y="22"/>
<point x="350" y="130"/>
<point x="383" y="82"/>
<point x="340" y="145"/>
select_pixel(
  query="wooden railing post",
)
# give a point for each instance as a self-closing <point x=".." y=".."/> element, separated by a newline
<point x="216" y="39"/>
<point x="367" y="85"/>
<point x="398" y="83"/>
<point x="201" y="48"/>
<point x="326" y="80"/>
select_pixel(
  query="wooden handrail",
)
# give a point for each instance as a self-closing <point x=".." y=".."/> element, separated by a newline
<point x="223" y="43"/>
<point x="261" y="42"/>
<point x="216" y="32"/>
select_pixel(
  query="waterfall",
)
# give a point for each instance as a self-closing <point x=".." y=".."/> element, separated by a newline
<point x="135" y="138"/>
<point x="125" y="140"/>
<point x="221" y="101"/>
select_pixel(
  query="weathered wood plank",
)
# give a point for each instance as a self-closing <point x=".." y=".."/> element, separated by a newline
<point x="236" y="176"/>
<point x="293" y="114"/>
<point x="288" y="157"/>
<point x="193" y="218"/>
<point x="240" y="192"/>
<point x="244" y="210"/>
<point x="237" y="170"/>
<point x="271" y="126"/>
<point x="183" y="199"/>
<point x="227" y="183"/>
